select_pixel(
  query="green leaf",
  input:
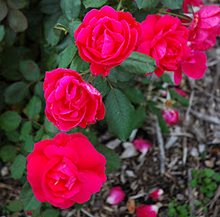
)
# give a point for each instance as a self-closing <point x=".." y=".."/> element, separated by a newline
<point x="71" y="8"/>
<point x="147" y="3"/>
<point x="15" y="206"/>
<point x="172" y="4"/>
<point x="52" y="35"/>
<point x="2" y="32"/>
<point x="139" y="117"/>
<point x="134" y="95"/>
<point x="50" y="6"/>
<point x="26" y="130"/>
<point x="16" y="92"/>
<point x="138" y="63"/>
<point x="94" y="4"/>
<point x="29" y="70"/>
<point x="113" y="160"/>
<point x="51" y="213"/>
<point x="3" y="10"/>
<point x="12" y="135"/>
<point x="28" y="144"/>
<point x="28" y="199"/>
<point x="8" y="153"/>
<point x="67" y="56"/>
<point x="17" y="21"/>
<point x="183" y="100"/>
<point x="208" y="172"/>
<point x="38" y="89"/>
<point x="17" y="4"/>
<point x="49" y="127"/>
<point x="100" y="84"/>
<point x="119" y="112"/>
<point x="10" y="120"/>
<point x="78" y="64"/>
<point x="18" y="167"/>
<point x="33" y="108"/>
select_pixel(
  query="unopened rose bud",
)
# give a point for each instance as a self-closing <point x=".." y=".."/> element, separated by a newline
<point x="116" y="195"/>
<point x="28" y="213"/>
<point x="171" y="116"/>
<point x="142" y="145"/>
<point x="147" y="211"/>
<point x="180" y="92"/>
<point x="155" y="194"/>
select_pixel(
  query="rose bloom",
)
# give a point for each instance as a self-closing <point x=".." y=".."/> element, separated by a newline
<point x="187" y="3"/>
<point x="171" y="116"/>
<point x="106" y="38"/>
<point x="205" y="27"/>
<point x="65" y="170"/>
<point x="166" y="40"/>
<point x="70" y="101"/>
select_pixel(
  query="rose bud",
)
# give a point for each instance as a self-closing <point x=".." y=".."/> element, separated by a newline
<point x="147" y="211"/>
<point x="116" y="195"/>
<point x="28" y="213"/>
<point x="106" y="38"/>
<point x="70" y="101"/>
<point x="142" y="145"/>
<point x="171" y="116"/>
<point x="181" y="92"/>
<point x="155" y="194"/>
<point x="65" y="170"/>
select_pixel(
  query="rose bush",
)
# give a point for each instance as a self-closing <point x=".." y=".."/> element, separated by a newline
<point x="106" y="38"/>
<point x="65" y="170"/>
<point x="70" y="101"/>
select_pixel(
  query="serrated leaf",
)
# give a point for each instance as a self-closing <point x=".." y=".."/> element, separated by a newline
<point x="113" y="159"/>
<point x="100" y="84"/>
<point x="138" y="63"/>
<point x="16" y="92"/>
<point x="51" y="213"/>
<point x="29" y="70"/>
<point x="28" y="199"/>
<point x="78" y="64"/>
<point x="67" y="56"/>
<point x="71" y="8"/>
<point x="28" y="144"/>
<point x="15" y="206"/>
<point x="139" y="117"/>
<point x="172" y="4"/>
<point x="18" y="167"/>
<point x="10" y="120"/>
<point x="2" y="32"/>
<point x="50" y="6"/>
<point x="3" y="10"/>
<point x="134" y="95"/>
<point x="94" y="4"/>
<point x="33" y="108"/>
<point x="12" y="136"/>
<point x="8" y="153"/>
<point x="147" y="3"/>
<point x="119" y="112"/>
<point x="17" y="20"/>
<point x="26" y="130"/>
<point x="17" y="4"/>
<point x="49" y="127"/>
<point x="38" y="89"/>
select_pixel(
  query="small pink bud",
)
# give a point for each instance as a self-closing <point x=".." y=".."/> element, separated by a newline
<point x="116" y="195"/>
<point x="147" y="211"/>
<point x="29" y="213"/>
<point x="171" y="116"/>
<point x="155" y="194"/>
<point x="142" y="145"/>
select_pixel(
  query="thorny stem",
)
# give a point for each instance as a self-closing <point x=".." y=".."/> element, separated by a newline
<point x="176" y="15"/>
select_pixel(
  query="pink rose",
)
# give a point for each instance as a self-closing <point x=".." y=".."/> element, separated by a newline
<point x="205" y="27"/>
<point x="106" y="38"/>
<point x="70" y="101"/>
<point x="166" y="40"/>
<point x="65" y="170"/>
<point x="171" y="116"/>
<point x="187" y="3"/>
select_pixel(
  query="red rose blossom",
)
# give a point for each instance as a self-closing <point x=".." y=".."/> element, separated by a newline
<point x="106" y="38"/>
<point x="70" y="101"/>
<point x="166" y="40"/>
<point x="205" y="27"/>
<point x="65" y="170"/>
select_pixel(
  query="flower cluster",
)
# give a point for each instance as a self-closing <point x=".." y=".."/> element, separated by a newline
<point x="67" y="169"/>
